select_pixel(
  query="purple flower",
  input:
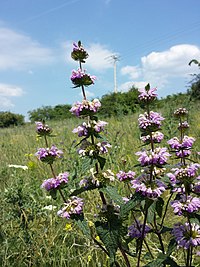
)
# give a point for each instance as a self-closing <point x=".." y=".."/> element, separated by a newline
<point x="151" y="121"/>
<point x="135" y="230"/>
<point x="183" y="125"/>
<point x="81" y="78"/>
<point x="182" y="147"/>
<point x="180" y="112"/>
<point x="79" y="53"/>
<point x="183" y="153"/>
<point x="157" y="137"/>
<point x="99" y="126"/>
<point x="180" y="175"/>
<point x="103" y="147"/>
<point x="53" y="183"/>
<point x="84" y="183"/>
<point x="73" y="206"/>
<point x="187" y="235"/>
<point x="174" y="143"/>
<point x="125" y="199"/>
<point x="42" y="129"/>
<point x="157" y="157"/>
<point x="82" y="130"/>
<point x="151" y="189"/>
<point x="187" y="142"/>
<point x="48" y="155"/>
<point x="82" y="108"/>
<point x="185" y="204"/>
<point x="147" y="95"/>
<point x="197" y="186"/>
<point x="125" y="176"/>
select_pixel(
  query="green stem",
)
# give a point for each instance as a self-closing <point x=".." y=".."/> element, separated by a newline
<point x="142" y="238"/>
<point x="159" y="235"/>
<point x="146" y="244"/>
<point x="188" y="258"/>
<point x="125" y="256"/>
<point x="82" y="87"/>
<point x="99" y="244"/>
<point x="191" y="256"/>
<point x="165" y="212"/>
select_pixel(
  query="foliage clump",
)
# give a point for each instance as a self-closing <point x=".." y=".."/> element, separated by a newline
<point x="8" y="119"/>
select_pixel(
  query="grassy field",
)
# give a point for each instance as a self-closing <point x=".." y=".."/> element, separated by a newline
<point x="33" y="235"/>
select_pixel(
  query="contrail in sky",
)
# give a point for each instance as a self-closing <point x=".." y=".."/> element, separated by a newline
<point x="51" y="10"/>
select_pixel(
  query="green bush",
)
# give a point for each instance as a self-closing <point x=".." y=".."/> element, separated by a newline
<point x="10" y="119"/>
<point x="59" y="112"/>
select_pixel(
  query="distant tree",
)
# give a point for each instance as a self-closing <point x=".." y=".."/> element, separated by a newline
<point x="50" y="113"/>
<point x="8" y="119"/>
<point x="194" y="90"/>
<point x="115" y="104"/>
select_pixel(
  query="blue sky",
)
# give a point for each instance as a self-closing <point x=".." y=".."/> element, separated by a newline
<point x="154" y="41"/>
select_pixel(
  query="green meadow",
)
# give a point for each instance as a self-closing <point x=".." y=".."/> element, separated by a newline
<point x="31" y="232"/>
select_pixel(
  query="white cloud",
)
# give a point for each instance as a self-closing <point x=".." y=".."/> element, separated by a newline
<point x="172" y="62"/>
<point x="99" y="56"/>
<point x="10" y="90"/>
<point x="127" y="86"/>
<point x="161" y="69"/>
<point x="7" y="91"/>
<point x="5" y="103"/>
<point x="132" y="71"/>
<point x="19" y="51"/>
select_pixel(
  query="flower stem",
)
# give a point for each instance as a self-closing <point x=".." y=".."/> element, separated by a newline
<point x="165" y="212"/>
<point x="125" y="256"/>
<point x="142" y="238"/>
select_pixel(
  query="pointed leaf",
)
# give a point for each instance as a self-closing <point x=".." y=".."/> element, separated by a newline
<point x="86" y="163"/>
<point x="109" y="236"/>
<point x="102" y="162"/>
<point x="171" y="247"/>
<point x="151" y="211"/>
<point x="83" y="225"/>
<point x="130" y="205"/>
<point x="171" y="262"/>
<point x="157" y="262"/>
<point x="113" y="194"/>
<point x="78" y="191"/>
<point x="159" y="206"/>
<point x="53" y="193"/>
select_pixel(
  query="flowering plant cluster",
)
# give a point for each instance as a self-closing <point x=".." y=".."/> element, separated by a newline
<point x="151" y="189"/>
<point x="184" y="181"/>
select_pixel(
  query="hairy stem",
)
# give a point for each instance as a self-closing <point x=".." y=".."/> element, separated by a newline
<point x="165" y="212"/>
<point x="125" y="256"/>
<point x="142" y="237"/>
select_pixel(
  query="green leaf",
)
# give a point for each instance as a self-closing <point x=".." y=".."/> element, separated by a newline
<point x="130" y="205"/>
<point x="147" y="87"/>
<point x="53" y="193"/>
<point x="159" y="206"/>
<point x="78" y="191"/>
<point x="82" y="224"/>
<point x="157" y="262"/>
<point x="166" y="229"/>
<point x="171" y="247"/>
<point x="110" y="232"/>
<point x="86" y="163"/>
<point x="171" y="262"/>
<point x="151" y="211"/>
<point x="102" y="162"/>
<point x="113" y="194"/>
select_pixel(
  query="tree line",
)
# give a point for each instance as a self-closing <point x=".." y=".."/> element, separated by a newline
<point x="113" y="104"/>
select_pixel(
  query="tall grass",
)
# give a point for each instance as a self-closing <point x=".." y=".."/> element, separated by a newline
<point x="34" y="236"/>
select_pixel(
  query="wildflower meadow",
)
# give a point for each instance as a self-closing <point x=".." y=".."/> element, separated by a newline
<point x="89" y="192"/>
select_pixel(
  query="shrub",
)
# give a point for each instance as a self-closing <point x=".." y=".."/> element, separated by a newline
<point x="10" y="119"/>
